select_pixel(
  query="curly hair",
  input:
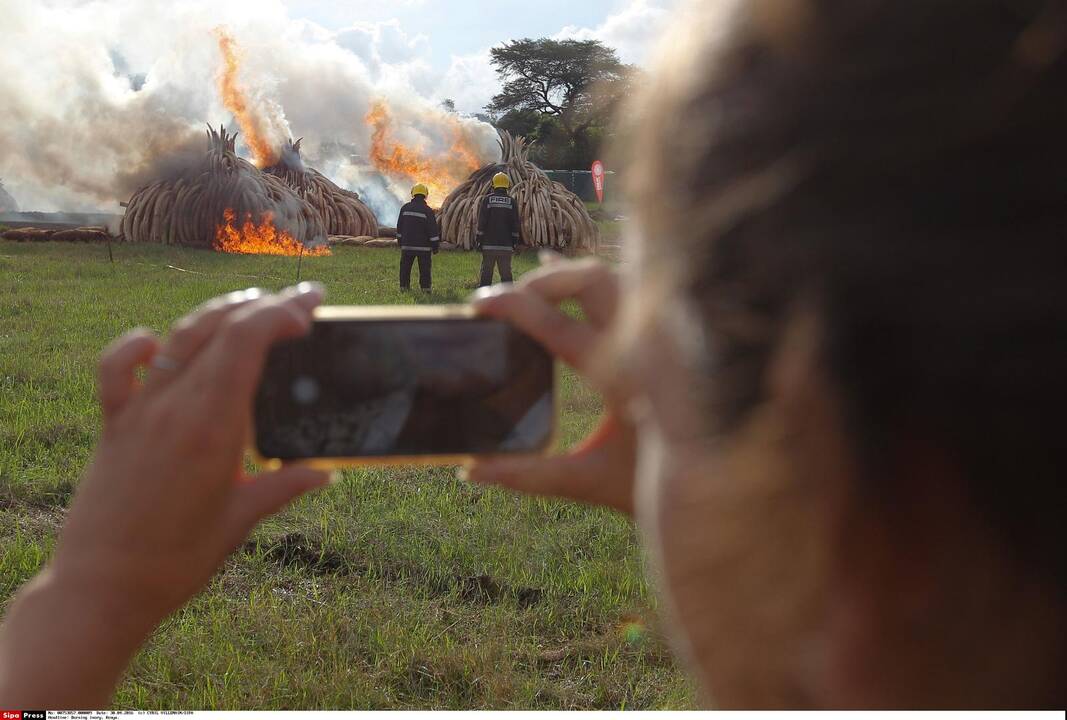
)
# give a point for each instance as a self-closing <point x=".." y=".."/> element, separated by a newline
<point x="899" y="166"/>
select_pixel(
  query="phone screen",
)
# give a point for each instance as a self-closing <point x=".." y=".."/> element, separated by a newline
<point x="405" y="387"/>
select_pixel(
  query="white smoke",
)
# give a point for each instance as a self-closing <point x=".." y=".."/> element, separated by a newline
<point x="99" y="97"/>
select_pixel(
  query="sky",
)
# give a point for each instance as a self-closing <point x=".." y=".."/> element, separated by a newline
<point x="447" y="42"/>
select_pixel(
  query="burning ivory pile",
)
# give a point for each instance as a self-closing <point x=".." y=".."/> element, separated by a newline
<point x="552" y="216"/>
<point x="225" y="201"/>
<point x="342" y="211"/>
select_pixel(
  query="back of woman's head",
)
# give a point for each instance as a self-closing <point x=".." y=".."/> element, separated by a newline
<point x="898" y="167"/>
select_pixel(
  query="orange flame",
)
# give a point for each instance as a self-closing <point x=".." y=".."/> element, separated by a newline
<point x="253" y="126"/>
<point x="440" y="173"/>
<point x="261" y="239"/>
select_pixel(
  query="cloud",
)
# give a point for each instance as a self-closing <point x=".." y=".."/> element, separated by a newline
<point x="381" y="44"/>
<point x="470" y="81"/>
<point x="634" y="30"/>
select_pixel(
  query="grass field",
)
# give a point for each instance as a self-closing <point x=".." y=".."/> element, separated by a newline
<point x="397" y="588"/>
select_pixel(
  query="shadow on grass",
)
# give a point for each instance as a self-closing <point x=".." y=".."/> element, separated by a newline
<point x="296" y="550"/>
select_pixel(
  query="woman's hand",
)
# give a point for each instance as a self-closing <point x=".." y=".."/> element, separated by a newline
<point x="166" y="498"/>
<point x="162" y="504"/>
<point x="600" y="470"/>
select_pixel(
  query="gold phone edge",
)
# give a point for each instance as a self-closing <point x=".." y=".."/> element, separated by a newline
<point x="394" y="460"/>
<point x="393" y="312"/>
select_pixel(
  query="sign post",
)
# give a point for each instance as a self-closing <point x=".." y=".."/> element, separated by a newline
<point x="598" y="180"/>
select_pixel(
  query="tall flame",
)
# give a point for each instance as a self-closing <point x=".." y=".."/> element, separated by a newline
<point x="259" y="239"/>
<point x="440" y="172"/>
<point x="254" y="126"/>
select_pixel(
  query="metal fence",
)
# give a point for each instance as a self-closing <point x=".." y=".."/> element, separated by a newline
<point x="580" y="182"/>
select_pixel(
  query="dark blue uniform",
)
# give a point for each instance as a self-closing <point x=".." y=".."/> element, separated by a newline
<point x="417" y="235"/>
<point x="499" y="232"/>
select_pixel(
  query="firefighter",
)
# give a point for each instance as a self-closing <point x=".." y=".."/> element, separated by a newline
<point x="499" y="231"/>
<point x="417" y="236"/>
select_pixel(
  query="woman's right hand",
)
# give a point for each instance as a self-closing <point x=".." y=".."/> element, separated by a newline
<point x="600" y="470"/>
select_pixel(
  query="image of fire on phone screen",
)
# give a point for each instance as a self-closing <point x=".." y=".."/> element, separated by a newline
<point x="436" y="385"/>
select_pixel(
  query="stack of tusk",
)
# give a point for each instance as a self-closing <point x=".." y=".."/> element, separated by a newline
<point x="343" y="213"/>
<point x="188" y="209"/>
<point x="552" y="216"/>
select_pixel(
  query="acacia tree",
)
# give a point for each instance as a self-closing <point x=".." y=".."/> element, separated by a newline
<point x="576" y="82"/>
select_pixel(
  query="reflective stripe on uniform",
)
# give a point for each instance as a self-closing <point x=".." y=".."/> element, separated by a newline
<point x="435" y="238"/>
<point x="412" y="248"/>
<point x="497" y="247"/>
<point x="412" y="213"/>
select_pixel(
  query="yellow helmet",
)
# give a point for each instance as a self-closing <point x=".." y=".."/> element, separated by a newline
<point x="420" y="189"/>
<point x="500" y="180"/>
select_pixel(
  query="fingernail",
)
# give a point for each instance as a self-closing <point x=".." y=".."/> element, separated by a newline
<point x="485" y="293"/>
<point x="334" y="477"/>
<point x="310" y="286"/>
<point x="307" y="294"/>
<point x="547" y="257"/>
<point x="252" y="293"/>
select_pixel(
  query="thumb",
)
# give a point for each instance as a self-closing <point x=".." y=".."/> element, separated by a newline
<point x="599" y="471"/>
<point x="260" y="496"/>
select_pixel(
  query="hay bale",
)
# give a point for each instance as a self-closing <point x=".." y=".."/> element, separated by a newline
<point x="189" y="210"/>
<point x="381" y="242"/>
<point x="349" y="240"/>
<point x="551" y="215"/>
<point x="342" y="212"/>
<point x="83" y="234"/>
<point x="30" y="234"/>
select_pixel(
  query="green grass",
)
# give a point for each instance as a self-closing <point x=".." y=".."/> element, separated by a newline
<point x="610" y="230"/>
<point x="395" y="588"/>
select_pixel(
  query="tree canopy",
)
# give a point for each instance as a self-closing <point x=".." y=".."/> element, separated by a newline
<point x="563" y="88"/>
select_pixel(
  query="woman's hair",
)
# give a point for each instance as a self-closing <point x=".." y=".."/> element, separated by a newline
<point x="900" y="168"/>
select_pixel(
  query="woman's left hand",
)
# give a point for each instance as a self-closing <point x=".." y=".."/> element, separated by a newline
<point x="163" y="502"/>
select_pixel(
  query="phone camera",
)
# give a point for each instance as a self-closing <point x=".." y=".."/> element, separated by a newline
<point x="305" y="390"/>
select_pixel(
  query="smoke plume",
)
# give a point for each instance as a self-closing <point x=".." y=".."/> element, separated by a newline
<point x="102" y="97"/>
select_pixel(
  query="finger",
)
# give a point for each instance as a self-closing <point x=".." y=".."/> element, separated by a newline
<point x="236" y="353"/>
<point x="192" y="332"/>
<point x="264" y="494"/>
<point x="599" y="471"/>
<point x="570" y="340"/>
<point x="589" y="281"/>
<point x="568" y="476"/>
<point x="116" y="373"/>
<point x="547" y="256"/>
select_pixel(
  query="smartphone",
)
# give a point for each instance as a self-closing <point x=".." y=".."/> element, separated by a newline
<point x="429" y="384"/>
